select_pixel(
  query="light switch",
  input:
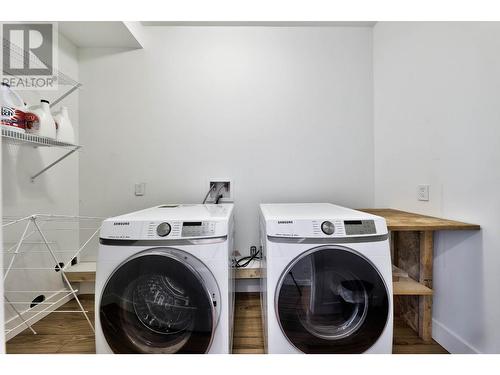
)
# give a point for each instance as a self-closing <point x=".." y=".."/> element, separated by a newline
<point x="140" y="189"/>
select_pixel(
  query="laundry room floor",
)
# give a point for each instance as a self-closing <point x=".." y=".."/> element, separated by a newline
<point x="70" y="333"/>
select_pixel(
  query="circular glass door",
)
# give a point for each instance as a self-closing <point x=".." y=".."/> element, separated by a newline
<point x="157" y="303"/>
<point x="332" y="300"/>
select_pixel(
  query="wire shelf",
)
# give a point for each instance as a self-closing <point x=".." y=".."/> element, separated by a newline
<point x="18" y="55"/>
<point x="20" y="138"/>
<point x="25" y="139"/>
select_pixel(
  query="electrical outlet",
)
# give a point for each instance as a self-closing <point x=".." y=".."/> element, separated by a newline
<point x="423" y="192"/>
<point x="222" y="186"/>
<point x="253" y="250"/>
<point x="140" y="189"/>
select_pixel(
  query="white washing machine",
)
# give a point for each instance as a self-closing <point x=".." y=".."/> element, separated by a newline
<point x="164" y="281"/>
<point x="327" y="286"/>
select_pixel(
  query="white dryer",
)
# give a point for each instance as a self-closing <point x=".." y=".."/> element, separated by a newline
<point x="164" y="282"/>
<point x="327" y="286"/>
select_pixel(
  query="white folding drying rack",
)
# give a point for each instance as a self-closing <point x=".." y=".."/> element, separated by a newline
<point x="33" y="225"/>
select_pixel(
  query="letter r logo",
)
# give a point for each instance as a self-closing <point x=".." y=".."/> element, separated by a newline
<point x="28" y="49"/>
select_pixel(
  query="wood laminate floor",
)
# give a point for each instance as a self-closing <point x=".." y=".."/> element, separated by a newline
<point x="70" y="333"/>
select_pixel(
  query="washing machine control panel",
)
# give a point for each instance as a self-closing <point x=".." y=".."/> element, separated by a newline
<point x="359" y="227"/>
<point x="169" y="230"/>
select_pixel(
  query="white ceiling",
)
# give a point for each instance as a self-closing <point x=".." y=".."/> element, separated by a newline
<point x="263" y="23"/>
<point x="101" y="34"/>
<point x="129" y="34"/>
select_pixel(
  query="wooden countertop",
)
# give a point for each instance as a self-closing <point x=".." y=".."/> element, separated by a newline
<point x="407" y="221"/>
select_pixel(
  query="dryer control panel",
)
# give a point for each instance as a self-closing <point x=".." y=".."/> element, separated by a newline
<point x="325" y="228"/>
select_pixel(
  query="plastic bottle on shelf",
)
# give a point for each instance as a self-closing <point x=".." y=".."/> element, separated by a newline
<point x="39" y="120"/>
<point x="65" y="131"/>
<point x="13" y="110"/>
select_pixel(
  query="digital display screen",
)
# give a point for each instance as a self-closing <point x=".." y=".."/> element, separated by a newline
<point x="359" y="227"/>
<point x="192" y="224"/>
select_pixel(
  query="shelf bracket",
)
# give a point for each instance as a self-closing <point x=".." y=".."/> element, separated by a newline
<point x="54" y="163"/>
<point x="67" y="93"/>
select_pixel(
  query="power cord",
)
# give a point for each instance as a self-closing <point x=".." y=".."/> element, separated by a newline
<point x="208" y="193"/>
<point x="218" y="195"/>
<point x="245" y="261"/>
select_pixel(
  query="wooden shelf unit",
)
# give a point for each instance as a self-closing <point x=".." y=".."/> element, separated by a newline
<point x="412" y="249"/>
<point x="407" y="221"/>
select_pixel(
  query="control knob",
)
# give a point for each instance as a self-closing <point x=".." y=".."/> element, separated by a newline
<point x="163" y="229"/>
<point x="327" y="227"/>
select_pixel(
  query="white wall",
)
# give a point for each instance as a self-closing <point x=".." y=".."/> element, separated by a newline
<point x="54" y="192"/>
<point x="285" y="112"/>
<point x="436" y="119"/>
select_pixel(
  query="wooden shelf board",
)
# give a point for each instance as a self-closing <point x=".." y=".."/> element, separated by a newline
<point x="406" y="286"/>
<point x="252" y="271"/>
<point x="398" y="272"/>
<point x="81" y="272"/>
<point x="407" y="221"/>
<point x="248" y="273"/>
<point x="85" y="272"/>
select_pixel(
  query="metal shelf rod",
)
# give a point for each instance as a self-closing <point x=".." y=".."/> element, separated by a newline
<point x="17" y="249"/>
<point x="36" y="141"/>
<point x="29" y="303"/>
<point x="70" y="311"/>
<point x="30" y="269"/>
<point x="49" y="229"/>
<point x="24" y="321"/>
<point x="16" y="221"/>
<point x="69" y="216"/>
<point x="36" y="291"/>
<point x="80" y="249"/>
<point x="54" y="163"/>
<point x="35" y="252"/>
<point x="67" y="93"/>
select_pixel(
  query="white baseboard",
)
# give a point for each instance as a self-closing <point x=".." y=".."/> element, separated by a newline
<point x="450" y="340"/>
<point x="16" y="320"/>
